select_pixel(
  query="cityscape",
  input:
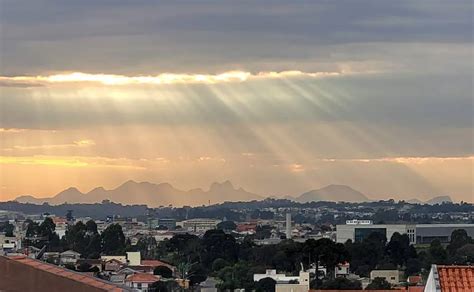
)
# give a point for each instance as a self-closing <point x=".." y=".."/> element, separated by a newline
<point x="236" y="146"/>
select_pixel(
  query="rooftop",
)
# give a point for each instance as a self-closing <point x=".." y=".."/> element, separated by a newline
<point x="58" y="272"/>
<point x="456" y="278"/>
<point x="142" y="278"/>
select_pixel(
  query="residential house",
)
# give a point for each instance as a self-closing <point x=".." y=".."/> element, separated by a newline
<point x="113" y="265"/>
<point x="141" y="281"/>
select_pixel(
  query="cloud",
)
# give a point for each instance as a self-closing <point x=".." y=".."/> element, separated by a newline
<point x="70" y="161"/>
<point x="151" y="37"/>
<point x="75" y="144"/>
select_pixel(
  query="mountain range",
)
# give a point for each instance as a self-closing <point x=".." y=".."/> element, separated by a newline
<point x="163" y="194"/>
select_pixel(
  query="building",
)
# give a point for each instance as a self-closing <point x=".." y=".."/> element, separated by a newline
<point x="141" y="281"/>
<point x="169" y="223"/>
<point x="134" y="258"/>
<point x="279" y="278"/>
<point x="426" y="233"/>
<point x="391" y="276"/>
<point x="417" y="233"/>
<point x="288" y="232"/>
<point x="200" y="224"/>
<point x="301" y="286"/>
<point x="450" y="279"/>
<point x="20" y="273"/>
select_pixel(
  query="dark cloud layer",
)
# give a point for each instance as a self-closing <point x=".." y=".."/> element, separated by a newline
<point x="154" y="36"/>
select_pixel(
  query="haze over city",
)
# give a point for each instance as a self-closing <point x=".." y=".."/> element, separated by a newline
<point x="278" y="99"/>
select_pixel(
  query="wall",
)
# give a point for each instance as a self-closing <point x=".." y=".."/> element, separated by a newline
<point x="16" y="276"/>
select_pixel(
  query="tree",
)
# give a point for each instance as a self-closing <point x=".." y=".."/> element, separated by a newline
<point x="113" y="240"/>
<point x="227" y="226"/>
<point x="163" y="271"/>
<point x="438" y="254"/>
<point x="465" y="254"/>
<point x="398" y="249"/>
<point x="158" y="286"/>
<point x="459" y="238"/>
<point x="327" y="252"/>
<point x="413" y="266"/>
<point x="219" y="264"/>
<point x="379" y="284"/>
<point x="217" y="244"/>
<point x="146" y="246"/>
<point x="8" y="229"/>
<point x="342" y="284"/>
<point x="266" y="285"/>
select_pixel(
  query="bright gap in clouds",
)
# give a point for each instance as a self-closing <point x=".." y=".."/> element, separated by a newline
<point x="164" y="78"/>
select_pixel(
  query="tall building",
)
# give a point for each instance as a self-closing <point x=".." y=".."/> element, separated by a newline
<point x="288" y="226"/>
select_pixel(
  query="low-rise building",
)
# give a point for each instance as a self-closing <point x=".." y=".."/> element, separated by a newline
<point x="391" y="276"/>
<point x="141" y="281"/>
<point x="200" y="224"/>
<point x="302" y="284"/>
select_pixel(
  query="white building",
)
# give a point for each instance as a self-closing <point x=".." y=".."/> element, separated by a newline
<point x="301" y="286"/>
<point x="200" y="224"/>
<point x="391" y="276"/>
<point x="279" y="278"/>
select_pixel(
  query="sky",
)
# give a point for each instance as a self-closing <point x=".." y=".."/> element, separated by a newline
<point x="279" y="97"/>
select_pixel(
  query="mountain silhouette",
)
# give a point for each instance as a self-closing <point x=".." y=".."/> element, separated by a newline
<point x="151" y="194"/>
<point x="334" y="193"/>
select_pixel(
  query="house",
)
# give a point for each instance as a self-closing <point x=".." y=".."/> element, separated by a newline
<point x="414" y="280"/>
<point x="391" y="276"/>
<point x="157" y="263"/>
<point x="301" y="286"/>
<point x="450" y="279"/>
<point x="127" y="271"/>
<point x="91" y="262"/>
<point x="209" y="285"/>
<point x="69" y="257"/>
<point x="342" y="270"/>
<point x="118" y="278"/>
<point x="121" y="258"/>
<point x="113" y="265"/>
<point x="141" y="281"/>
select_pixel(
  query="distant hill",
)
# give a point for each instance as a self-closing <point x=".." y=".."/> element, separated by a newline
<point x="335" y="193"/>
<point x="432" y="201"/>
<point x="151" y="194"/>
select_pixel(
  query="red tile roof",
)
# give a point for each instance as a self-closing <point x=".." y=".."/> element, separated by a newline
<point x="62" y="272"/>
<point x="142" y="278"/>
<point x="155" y="263"/>
<point x="414" y="279"/>
<point x="456" y="278"/>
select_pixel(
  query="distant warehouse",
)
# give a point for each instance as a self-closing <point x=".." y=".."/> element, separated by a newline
<point x="357" y="230"/>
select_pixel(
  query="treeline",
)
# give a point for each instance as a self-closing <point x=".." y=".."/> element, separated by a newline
<point x="388" y="211"/>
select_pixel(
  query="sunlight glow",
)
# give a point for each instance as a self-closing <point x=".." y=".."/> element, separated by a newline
<point x="165" y="78"/>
